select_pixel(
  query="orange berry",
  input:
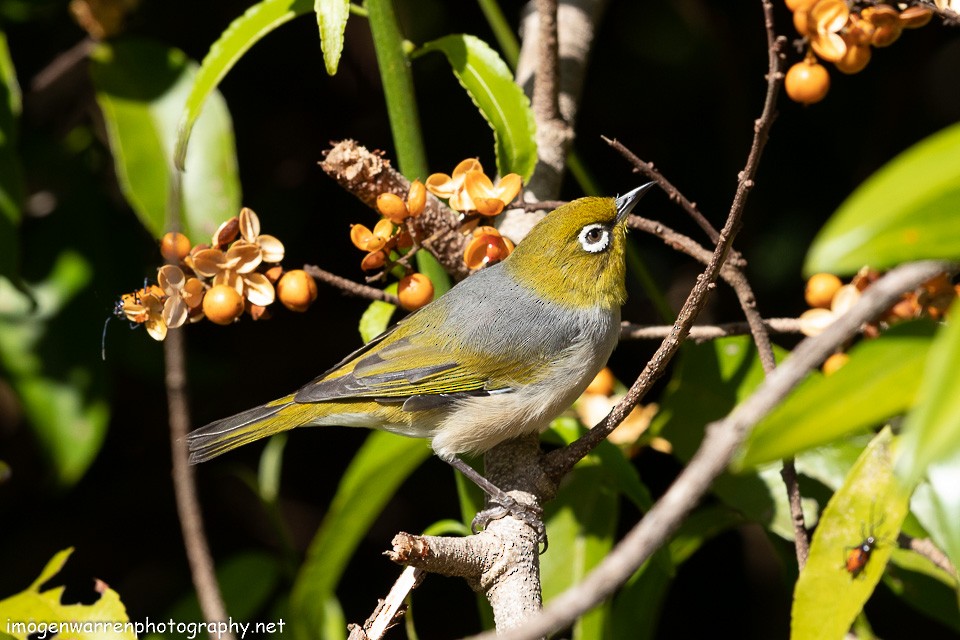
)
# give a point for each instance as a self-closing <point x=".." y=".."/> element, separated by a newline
<point x="833" y="363"/>
<point x="820" y="290"/>
<point x="416" y="198"/>
<point x="602" y="383"/>
<point x="915" y="17"/>
<point x="392" y="207"/>
<point x="222" y="304"/>
<point x="855" y="59"/>
<point x="174" y="246"/>
<point x="795" y="5"/>
<point x="415" y="291"/>
<point x="807" y="82"/>
<point x="373" y="260"/>
<point x="485" y="249"/>
<point x="297" y="290"/>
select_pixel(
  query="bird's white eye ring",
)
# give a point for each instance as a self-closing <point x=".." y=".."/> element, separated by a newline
<point x="594" y="238"/>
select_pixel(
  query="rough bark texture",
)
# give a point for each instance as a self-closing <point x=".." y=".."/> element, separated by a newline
<point x="366" y="174"/>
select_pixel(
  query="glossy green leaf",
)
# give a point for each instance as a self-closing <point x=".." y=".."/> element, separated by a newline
<point x="828" y="597"/>
<point x="60" y="395"/>
<point x="11" y="182"/>
<point x="45" y="607"/>
<point x="489" y="83"/>
<point x="709" y="381"/>
<point x="931" y="431"/>
<point x="879" y="381"/>
<point x="332" y="19"/>
<point x="937" y="503"/>
<point x="244" y="32"/>
<point x="581" y="522"/>
<point x="377" y="470"/>
<point x="619" y="470"/>
<point x="141" y="88"/>
<point x="905" y="211"/>
<point x="376" y="318"/>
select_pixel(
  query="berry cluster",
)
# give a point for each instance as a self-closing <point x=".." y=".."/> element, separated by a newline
<point x="843" y="34"/>
<point x="471" y="192"/>
<point x="238" y="271"/>
<point x="829" y="298"/>
<point x="468" y="191"/>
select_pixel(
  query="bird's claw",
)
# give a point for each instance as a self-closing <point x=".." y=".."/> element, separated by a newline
<point x="531" y="515"/>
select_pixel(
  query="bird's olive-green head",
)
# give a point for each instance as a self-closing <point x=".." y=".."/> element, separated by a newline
<point x="575" y="255"/>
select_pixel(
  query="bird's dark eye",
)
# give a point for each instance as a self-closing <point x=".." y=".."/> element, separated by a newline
<point x="594" y="238"/>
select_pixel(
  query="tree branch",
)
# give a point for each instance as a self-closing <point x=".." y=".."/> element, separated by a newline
<point x="367" y="174"/>
<point x="349" y="286"/>
<point x="702" y="333"/>
<point x="715" y="452"/>
<point x="185" y="488"/>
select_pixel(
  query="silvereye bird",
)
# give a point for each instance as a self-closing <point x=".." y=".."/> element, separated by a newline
<point x="498" y="356"/>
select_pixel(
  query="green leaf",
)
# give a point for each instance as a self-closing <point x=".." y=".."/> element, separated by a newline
<point x="931" y="431"/>
<point x="879" y="381"/>
<point x="938" y="507"/>
<point x="708" y="382"/>
<point x="59" y="394"/>
<point x="271" y="464"/>
<point x="905" y="211"/>
<point x="332" y="19"/>
<point x="582" y="522"/>
<point x="258" y="21"/>
<point x="141" y="88"/>
<point x="11" y="183"/>
<point x="828" y="597"/>
<point x="490" y="85"/>
<point x="376" y="317"/>
<point x="380" y="466"/>
<point x="33" y="611"/>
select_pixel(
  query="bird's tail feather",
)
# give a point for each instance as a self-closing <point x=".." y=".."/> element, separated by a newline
<point x="229" y="433"/>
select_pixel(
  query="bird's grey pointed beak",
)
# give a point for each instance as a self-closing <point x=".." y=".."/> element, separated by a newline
<point x="628" y="201"/>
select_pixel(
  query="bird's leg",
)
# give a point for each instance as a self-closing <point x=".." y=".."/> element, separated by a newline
<point x="530" y="515"/>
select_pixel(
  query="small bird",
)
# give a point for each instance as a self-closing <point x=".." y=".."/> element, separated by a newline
<point x="498" y="356"/>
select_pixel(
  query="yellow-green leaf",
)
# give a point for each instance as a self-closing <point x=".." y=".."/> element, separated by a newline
<point x="932" y="430"/>
<point x="490" y="85"/>
<point x="377" y="470"/>
<point x="141" y="88"/>
<point x="872" y="502"/>
<point x="32" y="611"/>
<point x="332" y="19"/>
<point x="879" y="381"/>
<point x="907" y="210"/>
<point x="244" y="32"/>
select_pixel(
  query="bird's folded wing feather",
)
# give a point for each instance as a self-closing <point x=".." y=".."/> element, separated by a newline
<point x="402" y="368"/>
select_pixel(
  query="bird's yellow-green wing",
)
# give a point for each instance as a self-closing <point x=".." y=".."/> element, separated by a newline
<point x="410" y="370"/>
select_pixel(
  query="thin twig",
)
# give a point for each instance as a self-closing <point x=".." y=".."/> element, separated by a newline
<point x="701" y="333"/>
<point x="761" y="338"/>
<point x="559" y="462"/>
<point x="647" y="168"/>
<point x="716" y="451"/>
<point x="389" y="610"/>
<point x="349" y="286"/>
<point x="926" y="548"/>
<point x="185" y="488"/>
